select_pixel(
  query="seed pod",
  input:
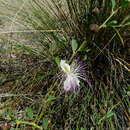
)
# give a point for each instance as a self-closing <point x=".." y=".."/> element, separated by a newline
<point x="96" y="10"/>
<point x="94" y="27"/>
<point x="102" y="111"/>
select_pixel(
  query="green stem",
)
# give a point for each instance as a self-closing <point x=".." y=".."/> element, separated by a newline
<point x="118" y="26"/>
<point x="75" y="53"/>
<point x="121" y="39"/>
<point x="104" y="23"/>
<point x="18" y="122"/>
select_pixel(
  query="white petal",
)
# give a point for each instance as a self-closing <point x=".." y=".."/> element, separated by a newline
<point x="65" y="67"/>
<point x="71" y="83"/>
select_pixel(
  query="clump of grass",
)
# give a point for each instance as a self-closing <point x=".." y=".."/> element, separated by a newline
<point x="40" y="33"/>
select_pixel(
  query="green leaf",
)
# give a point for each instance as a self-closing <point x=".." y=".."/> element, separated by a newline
<point x="12" y="128"/>
<point x="57" y="60"/>
<point x="74" y="45"/>
<point x="129" y="88"/>
<point x="109" y="114"/>
<point x="83" y="46"/>
<point x="50" y="98"/>
<point x="110" y="23"/>
<point x="113" y="3"/>
<point x="45" y="123"/>
<point x="127" y="21"/>
<point x="125" y="3"/>
<point x="29" y="112"/>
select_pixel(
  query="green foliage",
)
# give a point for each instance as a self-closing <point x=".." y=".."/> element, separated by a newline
<point x="29" y="112"/>
<point x="113" y="22"/>
<point x="45" y="123"/>
<point x="51" y="98"/>
<point x="113" y="3"/>
<point x="125" y="3"/>
<point x="109" y="114"/>
<point x="57" y="60"/>
<point x="74" y="45"/>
